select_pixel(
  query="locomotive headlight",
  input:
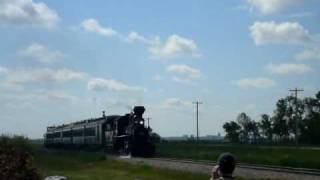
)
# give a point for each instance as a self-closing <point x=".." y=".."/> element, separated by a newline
<point x="141" y="122"/>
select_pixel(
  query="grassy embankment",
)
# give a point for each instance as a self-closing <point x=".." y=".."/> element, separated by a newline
<point x="21" y="159"/>
<point x="269" y="155"/>
<point x="93" y="166"/>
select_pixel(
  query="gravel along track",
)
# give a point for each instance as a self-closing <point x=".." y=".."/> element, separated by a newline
<point x="246" y="171"/>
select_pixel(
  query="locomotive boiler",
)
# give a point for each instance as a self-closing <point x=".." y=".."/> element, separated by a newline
<point x="120" y="134"/>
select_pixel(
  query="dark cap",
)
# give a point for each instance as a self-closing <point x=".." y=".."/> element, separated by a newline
<point x="227" y="163"/>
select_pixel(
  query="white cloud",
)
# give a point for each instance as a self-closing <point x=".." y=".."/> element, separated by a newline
<point x="136" y="37"/>
<point x="158" y="77"/>
<point x="92" y="25"/>
<point x="41" y="53"/>
<point x="170" y="103"/>
<point x="309" y="54"/>
<point x="285" y="69"/>
<point x="27" y="12"/>
<point x="57" y="95"/>
<point x="184" y="70"/>
<point x="183" y="74"/>
<point x="99" y="84"/>
<point x="272" y="6"/>
<point x="281" y="33"/>
<point x="31" y="97"/>
<point x="254" y="83"/>
<point x="173" y="47"/>
<point x="43" y="75"/>
<point x="182" y="80"/>
<point x="3" y="70"/>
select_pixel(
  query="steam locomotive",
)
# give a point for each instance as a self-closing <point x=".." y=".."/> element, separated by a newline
<point x="120" y="134"/>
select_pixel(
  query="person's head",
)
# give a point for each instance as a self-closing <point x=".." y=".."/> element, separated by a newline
<point x="227" y="164"/>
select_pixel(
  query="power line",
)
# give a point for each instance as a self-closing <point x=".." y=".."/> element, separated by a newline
<point x="296" y="90"/>
<point x="197" y="103"/>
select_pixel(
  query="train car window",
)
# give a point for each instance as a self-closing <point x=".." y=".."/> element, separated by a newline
<point x="78" y="132"/>
<point x="57" y="134"/>
<point x="108" y="127"/>
<point x="66" y="133"/>
<point x="50" y="136"/>
<point x="90" y="132"/>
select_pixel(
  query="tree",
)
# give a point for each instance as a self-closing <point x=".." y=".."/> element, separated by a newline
<point x="250" y="130"/>
<point x="244" y="121"/>
<point x="289" y="113"/>
<point x="280" y="120"/>
<point x="233" y="131"/>
<point x="253" y="131"/>
<point x="266" y="126"/>
<point x="294" y="113"/>
<point x="191" y="138"/>
<point x="310" y="127"/>
<point x="312" y="105"/>
<point x="155" y="138"/>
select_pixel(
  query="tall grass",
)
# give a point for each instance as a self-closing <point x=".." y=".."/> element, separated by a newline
<point x="269" y="155"/>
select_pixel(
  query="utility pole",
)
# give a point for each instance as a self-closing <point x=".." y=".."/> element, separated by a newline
<point x="296" y="90"/>
<point x="148" y="118"/>
<point x="197" y="103"/>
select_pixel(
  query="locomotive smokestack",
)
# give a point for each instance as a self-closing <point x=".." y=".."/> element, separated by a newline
<point x="103" y="113"/>
<point x="138" y="111"/>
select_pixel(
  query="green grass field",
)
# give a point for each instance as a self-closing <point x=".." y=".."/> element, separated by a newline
<point x="94" y="166"/>
<point x="269" y="155"/>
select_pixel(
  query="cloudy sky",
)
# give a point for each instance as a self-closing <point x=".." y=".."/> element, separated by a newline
<point x="65" y="61"/>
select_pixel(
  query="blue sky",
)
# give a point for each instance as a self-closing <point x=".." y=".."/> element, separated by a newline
<point x="64" y="61"/>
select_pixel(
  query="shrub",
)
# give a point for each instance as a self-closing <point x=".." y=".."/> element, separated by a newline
<point x="16" y="159"/>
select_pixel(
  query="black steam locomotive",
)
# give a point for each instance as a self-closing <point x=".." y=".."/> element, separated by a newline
<point x="120" y="134"/>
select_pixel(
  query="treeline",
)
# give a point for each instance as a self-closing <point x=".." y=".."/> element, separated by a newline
<point x="291" y="120"/>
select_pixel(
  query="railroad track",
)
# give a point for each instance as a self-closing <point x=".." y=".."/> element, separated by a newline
<point x="282" y="169"/>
